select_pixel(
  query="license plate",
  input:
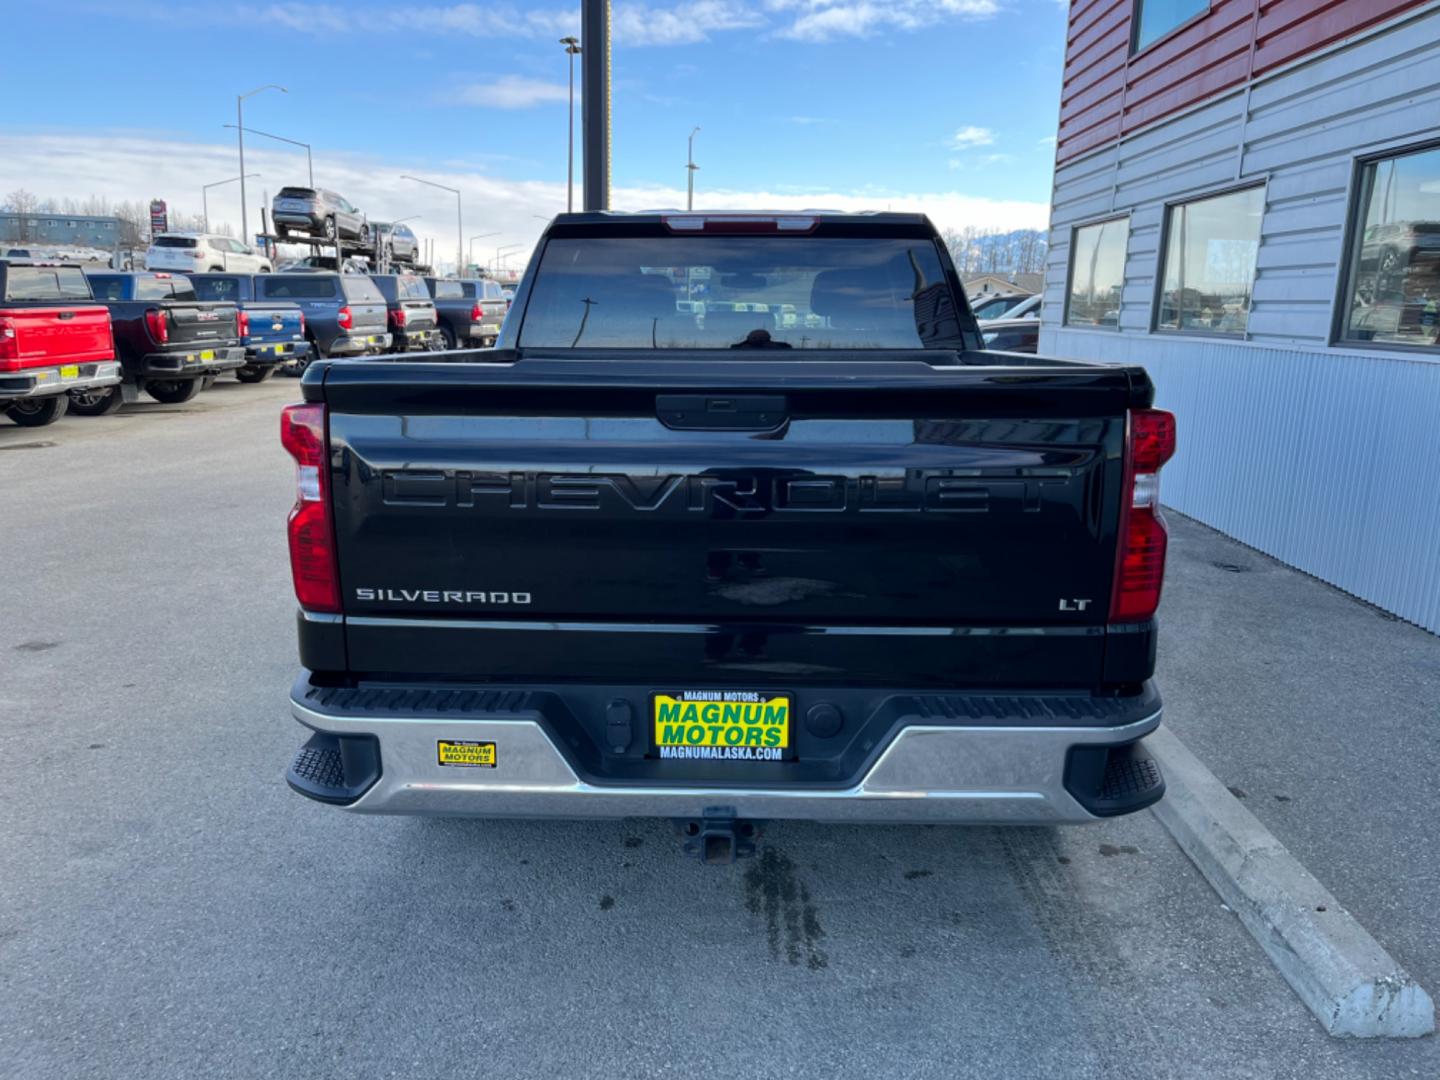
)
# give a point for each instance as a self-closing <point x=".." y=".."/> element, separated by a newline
<point x="374" y="339"/>
<point x="722" y="725"/>
<point x="70" y="371"/>
<point x="475" y="755"/>
<point x="281" y="348"/>
<point x="208" y="354"/>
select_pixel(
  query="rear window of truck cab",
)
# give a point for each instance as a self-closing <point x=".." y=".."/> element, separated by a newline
<point x="361" y="290"/>
<point x="46" y="283"/>
<point x="411" y="288"/>
<point x="447" y="290"/>
<point x="298" y="286"/>
<point x="142" y="287"/>
<point x="742" y="293"/>
<point x="217" y="288"/>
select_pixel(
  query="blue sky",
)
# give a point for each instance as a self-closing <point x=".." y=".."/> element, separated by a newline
<point x="948" y="104"/>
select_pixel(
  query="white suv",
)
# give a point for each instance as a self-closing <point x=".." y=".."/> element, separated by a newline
<point x="199" y="253"/>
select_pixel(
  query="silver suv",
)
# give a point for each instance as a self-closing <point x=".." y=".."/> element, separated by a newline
<point x="318" y="212"/>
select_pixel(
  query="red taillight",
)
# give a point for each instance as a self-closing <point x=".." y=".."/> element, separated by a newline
<point x="9" y="344"/>
<point x="1140" y="552"/>
<point x="344" y="317"/>
<point x="477" y="312"/>
<point x="302" y="323"/>
<point x="242" y="323"/>
<point x="156" y="323"/>
<point x="397" y="318"/>
<point x="312" y="534"/>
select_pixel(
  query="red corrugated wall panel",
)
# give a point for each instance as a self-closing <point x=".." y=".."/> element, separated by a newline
<point x="1107" y="93"/>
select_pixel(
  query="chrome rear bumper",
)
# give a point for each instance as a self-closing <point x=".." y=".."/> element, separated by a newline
<point x="39" y="382"/>
<point x="929" y="773"/>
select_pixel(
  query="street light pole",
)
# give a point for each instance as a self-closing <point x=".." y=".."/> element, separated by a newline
<point x="506" y="249"/>
<point x="459" y="219"/>
<point x="240" y="136"/>
<point x="205" y="194"/>
<point x="690" y="172"/>
<point x="572" y="46"/>
<point x="309" y="162"/>
<point x="477" y="236"/>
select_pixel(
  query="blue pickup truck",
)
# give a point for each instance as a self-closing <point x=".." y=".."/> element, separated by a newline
<point x="272" y="331"/>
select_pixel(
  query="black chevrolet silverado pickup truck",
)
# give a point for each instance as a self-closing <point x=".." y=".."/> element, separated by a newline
<point x="738" y="522"/>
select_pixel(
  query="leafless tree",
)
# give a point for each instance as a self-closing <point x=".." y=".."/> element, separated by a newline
<point x="23" y="204"/>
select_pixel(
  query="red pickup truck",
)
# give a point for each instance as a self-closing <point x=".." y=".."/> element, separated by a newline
<point x="53" y="339"/>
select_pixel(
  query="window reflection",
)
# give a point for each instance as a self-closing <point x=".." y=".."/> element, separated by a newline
<point x="1210" y="250"/>
<point x="1394" y="285"/>
<point x="1097" y="273"/>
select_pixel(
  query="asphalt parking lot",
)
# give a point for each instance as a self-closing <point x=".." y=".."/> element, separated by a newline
<point x="168" y="908"/>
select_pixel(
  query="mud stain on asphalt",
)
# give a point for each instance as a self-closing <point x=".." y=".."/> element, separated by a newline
<point x="916" y="875"/>
<point x="792" y="923"/>
<point x="36" y="646"/>
<point x="607" y="902"/>
<point x="1124" y="849"/>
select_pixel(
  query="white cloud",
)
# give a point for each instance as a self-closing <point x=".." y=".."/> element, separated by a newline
<point x="823" y="20"/>
<point x="682" y="22"/>
<point x="141" y="167"/>
<point x="966" y="137"/>
<point x="510" y="92"/>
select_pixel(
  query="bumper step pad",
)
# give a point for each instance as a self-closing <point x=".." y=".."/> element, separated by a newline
<point x="335" y="768"/>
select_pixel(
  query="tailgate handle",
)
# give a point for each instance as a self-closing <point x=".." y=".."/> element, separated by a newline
<point x="722" y="412"/>
<point x="66" y="316"/>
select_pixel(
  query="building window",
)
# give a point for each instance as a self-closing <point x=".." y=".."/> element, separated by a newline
<point x="1393" y="288"/>
<point x="1156" y="18"/>
<point x="1097" y="273"/>
<point x="1209" y="260"/>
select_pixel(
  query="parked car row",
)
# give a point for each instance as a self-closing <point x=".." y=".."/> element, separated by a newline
<point x="89" y="339"/>
<point x="1017" y="329"/>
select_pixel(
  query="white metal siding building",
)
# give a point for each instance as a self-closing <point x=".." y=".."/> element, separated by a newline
<point x="1321" y="451"/>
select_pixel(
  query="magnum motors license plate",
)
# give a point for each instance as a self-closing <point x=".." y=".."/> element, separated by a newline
<point x="207" y="355"/>
<point x="472" y="754"/>
<point x="722" y="725"/>
<point x="70" y="371"/>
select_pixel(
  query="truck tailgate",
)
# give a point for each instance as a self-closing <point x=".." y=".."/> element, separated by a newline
<point x="47" y="336"/>
<point x="201" y="323"/>
<point x="964" y="511"/>
<point x="274" y="323"/>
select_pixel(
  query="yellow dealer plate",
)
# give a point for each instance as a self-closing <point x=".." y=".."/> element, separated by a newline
<point x="281" y="348"/>
<point x="474" y="754"/>
<point x="207" y="355"/>
<point x="722" y="725"/>
<point x="70" y="371"/>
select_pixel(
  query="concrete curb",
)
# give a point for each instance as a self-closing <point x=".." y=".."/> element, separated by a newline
<point x="1340" y="972"/>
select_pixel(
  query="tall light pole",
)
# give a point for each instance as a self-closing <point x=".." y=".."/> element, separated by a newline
<point x="309" y="162"/>
<point x="459" y="219"/>
<point x="505" y="250"/>
<point x="595" y="101"/>
<point x="477" y="236"/>
<point x="240" y="135"/>
<point x="690" y="172"/>
<point x="572" y="46"/>
<point x="205" y="194"/>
